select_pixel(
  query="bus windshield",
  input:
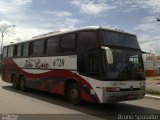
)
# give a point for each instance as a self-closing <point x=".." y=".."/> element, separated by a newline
<point x="119" y="39"/>
<point x="127" y="65"/>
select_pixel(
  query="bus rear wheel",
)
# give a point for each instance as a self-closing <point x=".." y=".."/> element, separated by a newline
<point x="15" y="82"/>
<point x="22" y="84"/>
<point x="74" y="93"/>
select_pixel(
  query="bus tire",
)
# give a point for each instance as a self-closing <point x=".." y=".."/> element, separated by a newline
<point x="22" y="83"/>
<point x="15" y="83"/>
<point x="73" y="93"/>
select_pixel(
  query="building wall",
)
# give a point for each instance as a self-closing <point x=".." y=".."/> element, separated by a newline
<point x="152" y="65"/>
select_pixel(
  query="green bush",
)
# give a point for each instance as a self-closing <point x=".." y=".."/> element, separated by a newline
<point x="154" y="92"/>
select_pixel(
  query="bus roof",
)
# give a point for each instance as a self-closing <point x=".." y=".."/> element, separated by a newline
<point x="64" y="31"/>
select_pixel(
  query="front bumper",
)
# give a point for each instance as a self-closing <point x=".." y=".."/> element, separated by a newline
<point x="111" y="97"/>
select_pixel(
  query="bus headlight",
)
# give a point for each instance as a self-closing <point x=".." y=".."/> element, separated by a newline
<point x="112" y="89"/>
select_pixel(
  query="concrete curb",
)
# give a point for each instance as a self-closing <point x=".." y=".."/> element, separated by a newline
<point x="155" y="97"/>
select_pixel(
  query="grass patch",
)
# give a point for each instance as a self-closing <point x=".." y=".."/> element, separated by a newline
<point x="153" y="92"/>
<point x="153" y="78"/>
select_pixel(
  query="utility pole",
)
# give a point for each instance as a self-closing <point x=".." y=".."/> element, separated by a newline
<point x="2" y="31"/>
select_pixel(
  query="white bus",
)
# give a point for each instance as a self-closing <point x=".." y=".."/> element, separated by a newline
<point x="94" y="64"/>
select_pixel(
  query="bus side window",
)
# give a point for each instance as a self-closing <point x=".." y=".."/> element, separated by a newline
<point x="25" y="49"/>
<point x="38" y="48"/>
<point x="5" y="52"/>
<point x="86" y="40"/>
<point x="10" y="51"/>
<point x="45" y="47"/>
<point x="30" y="52"/>
<point x="67" y="43"/>
<point x="19" y="50"/>
<point x="52" y="46"/>
<point x="15" y="51"/>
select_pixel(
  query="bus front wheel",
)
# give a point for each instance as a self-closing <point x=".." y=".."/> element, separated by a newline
<point x="74" y="93"/>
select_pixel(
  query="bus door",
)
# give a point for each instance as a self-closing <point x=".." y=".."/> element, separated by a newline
<point x="90" y="64"/>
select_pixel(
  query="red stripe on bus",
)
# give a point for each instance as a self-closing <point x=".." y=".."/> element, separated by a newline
<point x="58" y="88"/>
<point x="53" y="73"/>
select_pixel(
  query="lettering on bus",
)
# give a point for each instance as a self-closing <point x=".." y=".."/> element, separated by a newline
<point x="118" y="83"/>
<point x="58" y="62"/>
<point x="36" y="63"/>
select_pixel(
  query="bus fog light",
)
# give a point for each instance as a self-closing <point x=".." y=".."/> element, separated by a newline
<point x="118" y="89"/>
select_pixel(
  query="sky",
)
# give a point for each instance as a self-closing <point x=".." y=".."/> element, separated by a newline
<point x="34" y="17"/>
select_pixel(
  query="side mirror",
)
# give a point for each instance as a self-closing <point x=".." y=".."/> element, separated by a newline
<point x="109" y="55"/>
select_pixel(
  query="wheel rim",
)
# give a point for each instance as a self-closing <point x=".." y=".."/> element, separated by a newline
<point x="74" y="93"/>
